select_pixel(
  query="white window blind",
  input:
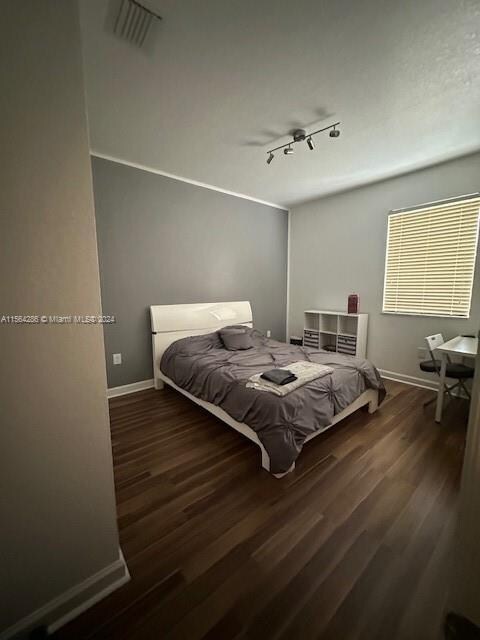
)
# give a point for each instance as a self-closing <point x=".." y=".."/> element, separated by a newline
<point x="430" y="259"/>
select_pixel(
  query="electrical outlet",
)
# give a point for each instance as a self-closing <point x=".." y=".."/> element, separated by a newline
<point x="117" y="358"/>
<point x="269" y="333"/>
<point x="421" y="353"/>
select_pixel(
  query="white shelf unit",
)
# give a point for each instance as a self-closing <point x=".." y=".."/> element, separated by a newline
<point x="336" y="330"/>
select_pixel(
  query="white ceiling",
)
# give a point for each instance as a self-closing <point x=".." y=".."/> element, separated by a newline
<point x="225" y="80"/>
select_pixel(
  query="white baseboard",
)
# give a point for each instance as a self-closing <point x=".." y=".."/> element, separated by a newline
<point x="74" y="601"/>
<point x="412" y="380"/>
<point x="113" y="392"/>
<point x="419" y="382"/>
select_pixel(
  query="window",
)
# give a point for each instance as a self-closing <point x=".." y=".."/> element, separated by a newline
<point x="430" y="259"/>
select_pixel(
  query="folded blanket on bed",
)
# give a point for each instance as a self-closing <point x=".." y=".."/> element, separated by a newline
<point x="279" y="376"/>
<point x="304" y="370"/>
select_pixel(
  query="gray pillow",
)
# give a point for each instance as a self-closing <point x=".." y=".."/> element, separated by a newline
<point x="236" y="338"/>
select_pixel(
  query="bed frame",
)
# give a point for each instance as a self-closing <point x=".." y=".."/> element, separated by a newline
<point x="172" y="322"/>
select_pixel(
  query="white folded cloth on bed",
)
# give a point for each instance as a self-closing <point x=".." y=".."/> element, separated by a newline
<point x="304" y="370"/>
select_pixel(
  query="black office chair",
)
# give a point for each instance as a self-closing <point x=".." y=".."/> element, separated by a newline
<point x="455" y="370"/>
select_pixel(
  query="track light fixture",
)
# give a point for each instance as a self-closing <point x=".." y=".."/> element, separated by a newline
<point x="300" y="135"/>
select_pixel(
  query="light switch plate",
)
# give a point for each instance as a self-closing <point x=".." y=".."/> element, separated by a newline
<point x="117" y="358"/>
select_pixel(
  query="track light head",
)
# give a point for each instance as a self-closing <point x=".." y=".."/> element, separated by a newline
<point x="300" y="135"/>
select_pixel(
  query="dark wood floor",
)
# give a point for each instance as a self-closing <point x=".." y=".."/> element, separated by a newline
<point x="353" y="544"/>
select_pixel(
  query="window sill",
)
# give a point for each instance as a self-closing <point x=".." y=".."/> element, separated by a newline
<point x="422" y="315"/>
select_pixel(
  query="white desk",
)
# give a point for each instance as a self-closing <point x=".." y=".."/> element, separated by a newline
<point x="461" y="346"/>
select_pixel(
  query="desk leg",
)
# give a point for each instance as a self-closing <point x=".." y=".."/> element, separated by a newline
<point x="441" y="389"/>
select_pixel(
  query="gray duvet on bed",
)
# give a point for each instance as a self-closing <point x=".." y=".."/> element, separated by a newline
<point x="202" y="366"/>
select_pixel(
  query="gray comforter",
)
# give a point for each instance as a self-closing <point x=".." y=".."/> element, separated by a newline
<point x="203" y="367"/>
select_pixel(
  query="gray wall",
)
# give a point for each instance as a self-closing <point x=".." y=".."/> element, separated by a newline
<point x="338" y="247"/>
<point x="58" y="520"/>
<point x="162" y="241"/>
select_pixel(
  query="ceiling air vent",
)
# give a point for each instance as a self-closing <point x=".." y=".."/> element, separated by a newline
<point x="133" y="22"/>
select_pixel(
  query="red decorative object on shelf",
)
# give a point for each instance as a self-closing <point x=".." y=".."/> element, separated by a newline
<point x="353" y="303"/>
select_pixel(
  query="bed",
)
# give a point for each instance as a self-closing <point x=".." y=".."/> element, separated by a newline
<point x="188" y="356"/>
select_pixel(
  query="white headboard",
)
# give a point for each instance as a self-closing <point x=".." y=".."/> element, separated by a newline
<point x="174" y="321"/>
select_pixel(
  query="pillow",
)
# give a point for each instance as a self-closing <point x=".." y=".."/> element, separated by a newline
<point x="236" y="338"/>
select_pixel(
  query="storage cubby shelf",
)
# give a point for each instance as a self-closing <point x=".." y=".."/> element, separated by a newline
<point x="344" y="332"/>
